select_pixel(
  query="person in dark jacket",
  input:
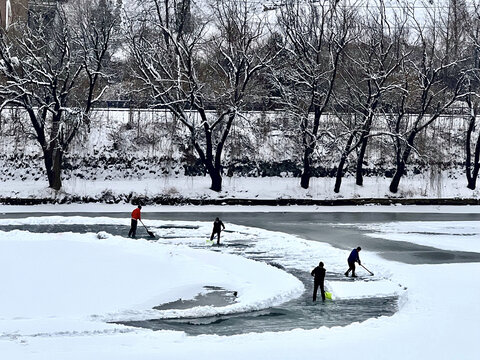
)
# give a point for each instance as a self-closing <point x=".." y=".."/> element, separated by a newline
<point x="217" y="229"/>
<point x="352" y="259"/>
<point x="318" y="281"/>
<point x="135" y="217"/>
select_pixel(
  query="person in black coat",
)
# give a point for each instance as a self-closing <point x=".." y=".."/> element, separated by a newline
<point x="217" y="229"/>
<point x="318" y="281"/>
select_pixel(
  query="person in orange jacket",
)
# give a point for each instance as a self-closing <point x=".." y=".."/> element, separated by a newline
<point x="135" y="217"/>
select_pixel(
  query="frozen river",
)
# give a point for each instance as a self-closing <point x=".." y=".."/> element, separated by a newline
<point x="321" y="227"/>
<point x="74" y="278"/>
<point x="338" y="229"/>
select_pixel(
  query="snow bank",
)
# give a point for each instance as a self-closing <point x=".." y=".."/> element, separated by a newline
<point x="361" y="288"/>
<point x="127" y="208"/>
<point x="270" y="188"/>
<point x="79" y="276"/>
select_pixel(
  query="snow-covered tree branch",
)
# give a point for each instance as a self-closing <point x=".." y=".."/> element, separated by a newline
<point x="48" y="65"/>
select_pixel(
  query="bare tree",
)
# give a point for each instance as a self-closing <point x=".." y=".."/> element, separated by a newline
<point x="434" y="85"/>
<point x="191" y="60"/>
<point x="397" y="118"/>
<point x="369" y="75"/>
<point x="316" y="34"/>
<point x="472" y="166"/>
<point x="472" y="147"/>
<point x="49" y="64"/>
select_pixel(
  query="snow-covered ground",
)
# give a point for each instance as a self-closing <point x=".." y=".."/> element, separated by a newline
<point x="126" y="208"/>
<point x="58" y="291"/>
<point x="198" y="187"/>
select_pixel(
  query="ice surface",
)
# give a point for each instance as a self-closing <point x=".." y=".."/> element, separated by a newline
<point x="447" y="235"/>
<point x="118" y="277"/>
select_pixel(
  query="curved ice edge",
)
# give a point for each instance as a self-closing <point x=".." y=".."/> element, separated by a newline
<point x="247" y="301"/>
<point x="155" y="314"/>
<point x="202" y="311"/>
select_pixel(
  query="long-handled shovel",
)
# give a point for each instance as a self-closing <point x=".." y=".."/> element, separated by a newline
<point x="366" y="269"/>
<point x="149" y="232"/>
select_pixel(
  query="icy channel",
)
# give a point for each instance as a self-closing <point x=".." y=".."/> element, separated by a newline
<point x="141" y="282"/>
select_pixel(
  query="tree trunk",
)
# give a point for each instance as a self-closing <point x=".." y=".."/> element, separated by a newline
<point x="364" y="139"/>
<point x="338" y="178"/>
<point x="208" y="161"/>
<point x="53" y="164"/>
<point x="403" y="162"/>
<point x="216" y="182"/>
<point x="309" y="143"/>
<point x="215" y="171"/>
<point x="212" y="171"/>
<point x="341" y="164"/>
<point x="476" y="166"/>
<point x="216" y="178"/>
<point x="307" y="170"/>
<point x="396" y="178"/>
<point x="471" y="182"/>
<point x="472" y="171"/>
<point x="361" y="156"/>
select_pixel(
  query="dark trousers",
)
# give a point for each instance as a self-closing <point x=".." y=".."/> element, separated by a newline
<point x="133" y="228"/>
<point x="218" y="235"/>
<point x="317" y="284"/>
<point x="351" y="266"/>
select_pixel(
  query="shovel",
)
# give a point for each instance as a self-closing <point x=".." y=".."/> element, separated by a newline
<point x="366" y="269"/>
<point x="149" y="232"/>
